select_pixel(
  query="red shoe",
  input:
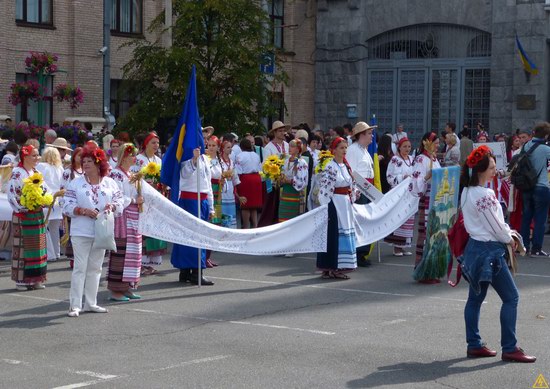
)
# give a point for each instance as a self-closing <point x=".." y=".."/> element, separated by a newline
<point x="430" y="281"/>
<point x="480" y="352"/>
<point x="518" y="356"/>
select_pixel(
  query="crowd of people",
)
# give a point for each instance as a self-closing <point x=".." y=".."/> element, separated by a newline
<point x="226" y="186"/>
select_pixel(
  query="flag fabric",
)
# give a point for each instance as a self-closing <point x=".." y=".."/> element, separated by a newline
<point x="187" y="137"/>
<point x="373" y="151"/>
<point x="528" y="65"/>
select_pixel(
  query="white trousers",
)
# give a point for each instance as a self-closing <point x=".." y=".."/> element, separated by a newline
<point x="52" y="239"/>
<point x="86" y="272"/>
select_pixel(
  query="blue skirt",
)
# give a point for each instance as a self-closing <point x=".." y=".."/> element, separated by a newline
<point x="185" y="257"/>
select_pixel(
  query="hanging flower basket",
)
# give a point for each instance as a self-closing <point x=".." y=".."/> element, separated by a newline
<point x="21" y="92"/>
<point x="45" y="62"/>
<point x="31" y="131"/>
<point x="72" y="94"/>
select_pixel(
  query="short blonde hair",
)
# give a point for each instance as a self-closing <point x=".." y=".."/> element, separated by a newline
<point x="51" y="156"/>
<point x="452" y="138"/>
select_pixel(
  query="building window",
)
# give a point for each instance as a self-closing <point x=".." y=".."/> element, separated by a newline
<point x="277" y="104"/>
<point x="34" y="11"/>
<point x="276" y="14"/>
<point x="477" y="88"/>
<point x="126" y="16"/>
<point x="31" y="112"/>
<point x="122" y="98"/>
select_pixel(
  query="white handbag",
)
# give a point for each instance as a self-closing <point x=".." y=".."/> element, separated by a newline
<point x="105" y="232"/>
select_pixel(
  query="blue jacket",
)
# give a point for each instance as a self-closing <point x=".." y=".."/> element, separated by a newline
<point x="539" y="158"/>
<point x="482" y="260"/>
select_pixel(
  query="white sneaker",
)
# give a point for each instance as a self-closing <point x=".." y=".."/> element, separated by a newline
<point x="39" y="286"/>
<point x="73" y="312"/>
<point x="96" y="309"/>
<point x="21" y="288"/>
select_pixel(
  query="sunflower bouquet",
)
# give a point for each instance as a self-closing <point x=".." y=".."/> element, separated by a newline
<point x="33" y="194"/>
<point x="271" y="168"/>
<point x="151" y="172"/>
<point x="324" y="159"/>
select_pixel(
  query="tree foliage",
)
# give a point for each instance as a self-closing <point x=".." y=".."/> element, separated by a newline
<point x="226" y="40"/>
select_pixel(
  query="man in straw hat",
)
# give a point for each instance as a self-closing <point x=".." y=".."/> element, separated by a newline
<point x="361" y="162"/>
<point x="64" y="150"/>
<point x="207" y="132"/>
<point x="277" y="145"/>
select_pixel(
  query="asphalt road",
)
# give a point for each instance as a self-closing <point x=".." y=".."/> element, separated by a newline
<point x="269" y="322"/>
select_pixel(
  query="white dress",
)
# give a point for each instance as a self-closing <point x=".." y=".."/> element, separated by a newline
<point x="334" y="176"/>
<point x="142" y="160"/>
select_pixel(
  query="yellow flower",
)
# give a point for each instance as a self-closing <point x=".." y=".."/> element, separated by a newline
<point x="35" y="179"/>
<point x="151" y="169"/>
<point x="272" y="158"/>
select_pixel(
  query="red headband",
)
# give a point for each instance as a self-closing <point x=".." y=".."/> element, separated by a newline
<point x="25" y="152"/>
<point x="336" y="142"/>
<point x="215" y="139"/>
<point x="401" y="141"/>
<point x="148" y="139"/>
<point x="115" y="141"/>
<point x="432" y="137"/>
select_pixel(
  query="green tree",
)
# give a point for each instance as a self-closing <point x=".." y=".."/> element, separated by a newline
<point x="226" y="40"/>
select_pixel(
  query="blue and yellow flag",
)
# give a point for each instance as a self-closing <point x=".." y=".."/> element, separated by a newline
<point x="187" y="137"/>
<point x="373" y="151"/>
<point x="528" y="65"/>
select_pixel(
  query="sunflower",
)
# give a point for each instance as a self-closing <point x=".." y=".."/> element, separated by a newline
<point x="151" y="169"/>
<point x="35" y="179"/>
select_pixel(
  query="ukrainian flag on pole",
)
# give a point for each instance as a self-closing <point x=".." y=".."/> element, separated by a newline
<point x="373" y="151"/>
<point x="187" y="137"/>
<point x="528" y="65"/>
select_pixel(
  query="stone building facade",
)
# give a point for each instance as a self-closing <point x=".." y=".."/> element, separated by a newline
<point x="426" y="62"/>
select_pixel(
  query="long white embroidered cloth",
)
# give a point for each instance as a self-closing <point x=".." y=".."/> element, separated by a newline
<point x="304" y="234"/>
<point x="164" y="220"/>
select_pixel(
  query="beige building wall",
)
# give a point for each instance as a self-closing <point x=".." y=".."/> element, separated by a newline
<point x="76" y="37"/>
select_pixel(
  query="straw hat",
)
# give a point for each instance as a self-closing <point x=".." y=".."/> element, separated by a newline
<point x="209" y="130"/>
<point x="60" y="143"/>
<point x="278" y="124"/>
<point x="360" y="127"/>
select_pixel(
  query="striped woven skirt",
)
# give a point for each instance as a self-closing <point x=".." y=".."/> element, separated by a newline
<point x="216" y="190"/>
<point x="402" y="237"/>
<point x="423" y="210"/>
<point x="289" y="203"/>
<point x="125" y="264"/>
<point x="29" y="265"/>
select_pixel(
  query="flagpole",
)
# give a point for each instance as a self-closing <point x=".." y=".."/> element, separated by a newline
<point x="199" y="268"/>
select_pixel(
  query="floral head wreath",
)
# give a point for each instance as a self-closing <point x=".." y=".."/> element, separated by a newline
<point x="129" y="149"/>
<point x="99" y="155"/>
<point x="477" y="155"/>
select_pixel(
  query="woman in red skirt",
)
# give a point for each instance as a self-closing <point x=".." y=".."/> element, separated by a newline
<point x="248" y="166"/>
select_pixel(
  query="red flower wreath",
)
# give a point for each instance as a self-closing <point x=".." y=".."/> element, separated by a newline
<point x="99" y="155"/>
<point x="477" y="155"/>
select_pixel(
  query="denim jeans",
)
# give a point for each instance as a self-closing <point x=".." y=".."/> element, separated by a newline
<point x="535" y="206"/>
<point x="504" y="285"/>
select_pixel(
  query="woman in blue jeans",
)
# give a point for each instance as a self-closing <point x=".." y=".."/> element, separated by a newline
<point x="484" y="261"/>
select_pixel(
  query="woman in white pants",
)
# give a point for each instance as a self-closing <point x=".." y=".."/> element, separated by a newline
<point x="52" y="170"/>
<point x="85" y="198"/>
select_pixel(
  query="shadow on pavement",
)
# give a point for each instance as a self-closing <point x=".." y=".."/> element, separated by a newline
<point x="417" y="372"/>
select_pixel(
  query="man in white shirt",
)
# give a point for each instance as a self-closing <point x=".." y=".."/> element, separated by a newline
<point x="278" y="145"/>
<point x="361" y="162"/>
<point x="395" y="138"/>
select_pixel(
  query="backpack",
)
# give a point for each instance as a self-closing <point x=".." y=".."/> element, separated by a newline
<point x="522" y="173"/>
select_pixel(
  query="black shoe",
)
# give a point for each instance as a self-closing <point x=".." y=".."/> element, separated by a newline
<point x="364" y="262"/>
<point x="194" y="278"/>
<point x="539" y="254"/>
<point x="185" y="275"/>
